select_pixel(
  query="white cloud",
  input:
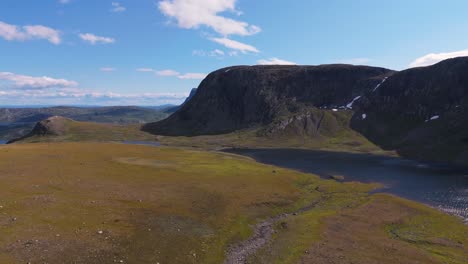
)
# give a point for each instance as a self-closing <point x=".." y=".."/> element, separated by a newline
<point x="117" y="7"/>
<point x="235" y="45"/>
<point x="107" y="69"/>
<point x="145" y="70"/>
<point x="29" y="82"/>
<point x="191" y="14"/>
<point x="93" y="39"/>
<point x="23" y="89"/>
<point x="434" y="58"/>
<point x="217" y="52"/>
<point x="275" y="61"/>
<point x="167" y="73"/>
<point x="172" y="73"/>
<point x="213" y="53"/>
<point x="192" y="76"/>
<point x="356" y="61"/>
<point x="29" y="32"/>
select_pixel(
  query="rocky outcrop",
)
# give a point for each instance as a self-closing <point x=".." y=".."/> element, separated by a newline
<point x="245" y="96"/>
<point x="52" y="126"/>
<point x="311" y="122"/>
<point x="420" y="112"/>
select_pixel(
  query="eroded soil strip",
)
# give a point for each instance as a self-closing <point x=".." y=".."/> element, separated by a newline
<point x="263" y="232"/>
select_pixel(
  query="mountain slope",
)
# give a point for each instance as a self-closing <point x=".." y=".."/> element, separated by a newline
<point x="174" y="109"/>
<point x="247" y="96"/>
<point x="420" y="112"/>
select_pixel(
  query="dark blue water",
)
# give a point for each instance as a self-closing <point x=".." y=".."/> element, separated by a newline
<point x="440" y="186"/>
<point x="2" y="142"/>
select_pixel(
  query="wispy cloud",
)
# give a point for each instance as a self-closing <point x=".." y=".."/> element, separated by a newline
<point x="29" y="32"/>
<point x="191" y="14"/>
<point x="235" y="45"/>
<point x="19" y="81"/>
<point x="94" y="39"/>
<point x="213" y="53"/>
<point x="145" y="70"/>
<point x="192" y="76"/>
<point x="173" y="73"/>
<point x="117" y="7"/>
<point x="434" y="58"/>
<point x="167" y="73"/>
<point x="64" y="1"/>
<point x="107" y="69"/>
<point x="275" y="61"/>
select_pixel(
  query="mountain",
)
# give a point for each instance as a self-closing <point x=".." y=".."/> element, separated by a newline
<point x="250" y="96"/>
<point x="420" y="112"/>
<point x="174" y="109"/>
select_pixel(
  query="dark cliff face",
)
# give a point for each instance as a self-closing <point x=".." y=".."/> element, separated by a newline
<point x="244" y="96"/>
<point x="174" y="109"/>
<point x="420" y="112"/>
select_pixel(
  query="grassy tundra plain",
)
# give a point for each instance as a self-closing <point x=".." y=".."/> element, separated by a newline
<point x="115" y="203"/>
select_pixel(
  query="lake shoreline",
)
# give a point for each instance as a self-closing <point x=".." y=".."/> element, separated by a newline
<point x="440" y="186"/>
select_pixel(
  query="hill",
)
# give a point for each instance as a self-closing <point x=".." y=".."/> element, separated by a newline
<point x="17" y="122"/>
<point x="421" y="112"/>
<point x="62" y="129"/>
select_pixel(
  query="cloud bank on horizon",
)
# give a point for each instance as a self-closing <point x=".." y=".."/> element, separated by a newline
<point x="30" y="90"/>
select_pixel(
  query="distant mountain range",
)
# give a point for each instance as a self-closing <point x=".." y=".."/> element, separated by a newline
<point x="114" y="114"/>
<point x="17" y="122"/>
<point x="419" y="112"/>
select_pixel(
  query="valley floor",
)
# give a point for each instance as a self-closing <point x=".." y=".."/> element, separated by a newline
<point x="116" y="203"/>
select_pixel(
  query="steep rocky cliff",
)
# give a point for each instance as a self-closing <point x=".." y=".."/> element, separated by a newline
<point x="174" y="109"/>
<point x="245" y="96"/>
<point x="420" y="112"/>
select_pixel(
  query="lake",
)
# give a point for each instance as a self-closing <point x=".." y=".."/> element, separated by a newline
<point x="437" y="185"/>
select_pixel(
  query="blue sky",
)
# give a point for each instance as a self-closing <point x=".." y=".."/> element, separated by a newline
<point x="151" y="52"/>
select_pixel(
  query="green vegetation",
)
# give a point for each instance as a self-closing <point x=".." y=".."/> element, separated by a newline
<point x="106" y="203"/>
<point x="343" y="141"/>
<point x="334" y="134"/>
<point x="67" y="130"/>
<point x="351" y="227"/>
